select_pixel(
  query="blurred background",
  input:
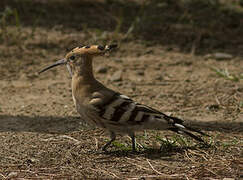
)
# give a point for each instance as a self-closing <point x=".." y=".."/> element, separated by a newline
<point x="196" y="26"/>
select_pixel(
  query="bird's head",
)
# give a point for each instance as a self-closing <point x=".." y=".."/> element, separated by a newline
<point x="79" y="56"/>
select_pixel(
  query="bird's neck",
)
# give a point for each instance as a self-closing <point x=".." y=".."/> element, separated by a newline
<point x="84" y="70"/>
<point x="83" y="79"/>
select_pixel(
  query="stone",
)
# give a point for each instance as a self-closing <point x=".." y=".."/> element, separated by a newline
<point x="140" y="72"/>
<point x="101" y="69"/>
<point x="160" y="95"/>
<point x="118" y="60"/>
<point x="117" y="76"/>
<point x="159" y="77"/>
<point x="219" y="56"/>
<point x="222" y="56"/>
<point x="12" y="175"/>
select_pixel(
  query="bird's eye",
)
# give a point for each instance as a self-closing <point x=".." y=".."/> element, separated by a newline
<point x="72" y="58"/>
<point x="101" y="47"/>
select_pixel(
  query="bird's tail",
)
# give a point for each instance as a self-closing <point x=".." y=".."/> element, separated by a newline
<point x="180" y="128"/>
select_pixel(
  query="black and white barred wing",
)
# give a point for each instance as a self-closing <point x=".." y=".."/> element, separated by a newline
<point x="121" y="111"/>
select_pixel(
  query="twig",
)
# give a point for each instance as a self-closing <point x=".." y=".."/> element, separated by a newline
<point x="156" y="176"/>
<point x="186" y="177"/>
<point x="147" y="168"/>
<point x="189" y="108"/>
<point x="96" y="144"/>
<point x="189" y="157"/>
<point x="9" y="157"/>
<point x="167" y="175"/>
<point x="211" y="171"/>
<point x="4" y="177"/>
<point x="198" y="154"/>
<point x="138" y="165"/>
<point x="152" y="84"/>
<point x="195" y="43"/>
<point x="153" y="168"/>
<point x="109" y="173"/>
<point x="70" y="138"/>
<point x="217" y="100"/>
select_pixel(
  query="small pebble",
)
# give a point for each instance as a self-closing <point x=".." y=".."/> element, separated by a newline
<point x="12" y="175"/>
<point x="118" y="60"/>
<point x="101" y="69"/>
<point x="160" y="95"/>
<point x="219" y="56"/>
<point x="159" y="77"/>
<point x="213" y="107"/>
<point x="117" y="76"/>
<point x="141" y="73"/>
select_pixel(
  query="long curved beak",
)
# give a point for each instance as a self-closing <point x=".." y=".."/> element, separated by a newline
<point x="60" y="62"/>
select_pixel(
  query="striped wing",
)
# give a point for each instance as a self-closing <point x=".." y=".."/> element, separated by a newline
<point x="119" y="108"/>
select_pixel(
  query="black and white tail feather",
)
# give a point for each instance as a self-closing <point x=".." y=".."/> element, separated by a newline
<point x="122" y="114"/>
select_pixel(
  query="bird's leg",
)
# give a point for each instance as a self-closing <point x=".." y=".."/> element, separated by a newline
<point x="113" y="137"/>
<point x="132" y="136"/>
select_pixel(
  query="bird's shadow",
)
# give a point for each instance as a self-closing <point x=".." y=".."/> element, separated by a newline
<point x="152" y="153"/>
<point x="40" y="124"/>
<point x="61" y="125"/>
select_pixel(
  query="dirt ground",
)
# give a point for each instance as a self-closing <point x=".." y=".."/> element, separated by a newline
<point x="42" y="136"/>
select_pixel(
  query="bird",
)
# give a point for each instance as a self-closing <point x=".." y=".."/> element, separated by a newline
<point x="109" y="109"/>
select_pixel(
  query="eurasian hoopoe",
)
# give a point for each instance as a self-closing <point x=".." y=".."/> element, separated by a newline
<point x="108" y="109"/>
